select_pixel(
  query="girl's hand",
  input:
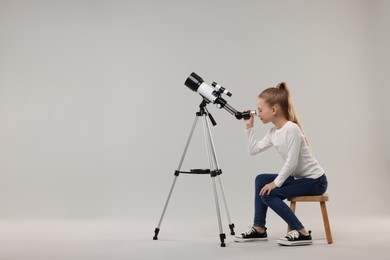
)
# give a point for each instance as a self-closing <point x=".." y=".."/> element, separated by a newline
<point x="267" y="188"/>
<point x="249" y="122"/>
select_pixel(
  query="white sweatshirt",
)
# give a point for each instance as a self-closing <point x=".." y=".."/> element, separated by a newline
<point x="289" y="141"/>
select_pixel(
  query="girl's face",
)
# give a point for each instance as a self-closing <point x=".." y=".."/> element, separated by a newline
<point x="265" y="112"/>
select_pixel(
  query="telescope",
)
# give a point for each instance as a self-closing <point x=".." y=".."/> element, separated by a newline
<point x="212" y="94"/>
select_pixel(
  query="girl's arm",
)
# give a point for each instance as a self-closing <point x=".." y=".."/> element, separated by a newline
<point x="254" y="146"/>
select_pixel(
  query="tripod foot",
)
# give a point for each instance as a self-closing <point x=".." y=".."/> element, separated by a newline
<point x="231" y="226"/>
<point x="222" y="237"/>
<point x="156" y="233"/>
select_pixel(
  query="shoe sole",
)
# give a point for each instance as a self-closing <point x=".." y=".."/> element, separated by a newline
<point x="239" y="239"/>
<point x="295" y="243"/>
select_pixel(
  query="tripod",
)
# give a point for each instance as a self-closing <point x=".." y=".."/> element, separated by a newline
<point x="214" y="171"/>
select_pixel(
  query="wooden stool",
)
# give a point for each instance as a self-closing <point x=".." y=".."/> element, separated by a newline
<point x="321" y="199"/>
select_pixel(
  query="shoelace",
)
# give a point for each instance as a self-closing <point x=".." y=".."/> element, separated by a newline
<point x="250" y="231"/>
<point x="292" y="235"/>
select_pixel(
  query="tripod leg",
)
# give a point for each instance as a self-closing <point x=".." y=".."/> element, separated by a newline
<point x="222" y="236"/>
<point x="231" y="225"/>
<point x="207" y="136"/>
<point x="187" y="144"/>
<point x="157" y="230"/>
<point x="214" y="154"/>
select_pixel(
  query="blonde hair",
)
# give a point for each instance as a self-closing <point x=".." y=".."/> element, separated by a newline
<point x="281" y="95"/>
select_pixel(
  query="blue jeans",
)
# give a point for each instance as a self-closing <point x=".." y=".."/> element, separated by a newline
<point x="290" y="188"/>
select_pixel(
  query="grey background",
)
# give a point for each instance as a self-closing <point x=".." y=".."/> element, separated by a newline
<point x="94" y="114"/>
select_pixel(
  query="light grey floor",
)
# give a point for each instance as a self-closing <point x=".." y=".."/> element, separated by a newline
<point x="111" y="240"/>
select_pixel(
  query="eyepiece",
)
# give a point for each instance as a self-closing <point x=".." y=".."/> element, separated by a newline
<point x="193" y="81"/>
<point x="245" y="115"/>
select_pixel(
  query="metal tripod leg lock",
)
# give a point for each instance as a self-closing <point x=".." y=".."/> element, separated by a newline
<point x="214" y="171"/>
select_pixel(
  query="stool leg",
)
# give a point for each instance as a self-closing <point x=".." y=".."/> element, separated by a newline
<point x="292" y="207"/>
<point x="326" y="222"/>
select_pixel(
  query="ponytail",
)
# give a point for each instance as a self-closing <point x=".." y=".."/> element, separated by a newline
<point x="281" y="95"/>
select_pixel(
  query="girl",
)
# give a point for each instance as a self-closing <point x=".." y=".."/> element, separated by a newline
<point x="301" y="174"/>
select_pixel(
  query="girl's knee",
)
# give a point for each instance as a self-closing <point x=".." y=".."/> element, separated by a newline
<point x="258" y="178"/>
<point x="265" y="178"/>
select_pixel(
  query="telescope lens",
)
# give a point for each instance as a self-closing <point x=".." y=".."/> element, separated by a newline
<point x="193" y="81"/>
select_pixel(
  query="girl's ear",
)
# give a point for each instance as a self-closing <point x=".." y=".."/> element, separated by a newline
<point x="273" y="110"/>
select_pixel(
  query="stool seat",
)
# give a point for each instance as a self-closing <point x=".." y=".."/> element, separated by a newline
<point x="322" y="200"/>
<point x="324" y="197"/>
